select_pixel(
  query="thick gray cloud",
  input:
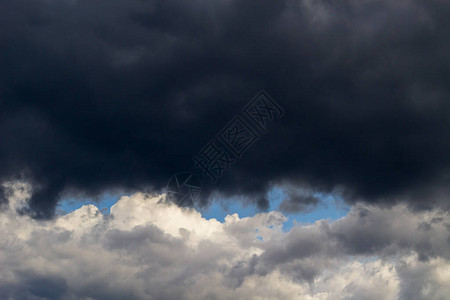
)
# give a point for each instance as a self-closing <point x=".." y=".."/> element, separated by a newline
<point x="100" y="95"/>
<point x="297" y="199"/>
<point x="149" y="249"/>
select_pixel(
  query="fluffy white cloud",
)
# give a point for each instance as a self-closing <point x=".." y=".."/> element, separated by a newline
<point x="149" y="249"/>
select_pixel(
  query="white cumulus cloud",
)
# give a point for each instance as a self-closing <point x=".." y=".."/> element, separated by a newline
<point x="149" y="249"/>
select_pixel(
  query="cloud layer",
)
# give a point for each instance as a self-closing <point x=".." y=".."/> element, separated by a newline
<point x="100" y="95"/>
<point x="149" y="249"/>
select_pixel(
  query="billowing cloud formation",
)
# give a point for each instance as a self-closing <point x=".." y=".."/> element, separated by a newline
<point x="148" y="249"/>
<point x="95" y="94"/>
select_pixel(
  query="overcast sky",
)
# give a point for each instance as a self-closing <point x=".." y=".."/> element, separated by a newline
<point x="110" y="99"/>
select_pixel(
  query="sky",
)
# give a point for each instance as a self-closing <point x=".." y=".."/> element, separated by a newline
<point x="224" y="149"/>
<point x="329" y="208"/>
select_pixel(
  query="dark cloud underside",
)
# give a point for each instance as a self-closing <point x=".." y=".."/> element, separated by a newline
<point x="98" y="94"/>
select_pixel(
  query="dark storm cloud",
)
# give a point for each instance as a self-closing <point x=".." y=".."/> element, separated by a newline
<point x="100" y="95"/>
<point x="35" y="286"/>
<point x="3" y="199"/>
